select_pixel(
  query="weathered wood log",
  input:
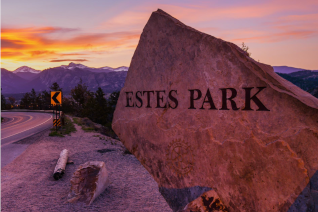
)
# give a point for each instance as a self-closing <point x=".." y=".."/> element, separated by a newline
<point x="88" y="181"/>
<point x="60" y="165"/>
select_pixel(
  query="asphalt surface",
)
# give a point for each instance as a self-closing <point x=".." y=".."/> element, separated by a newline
<point x="20" y="125"/>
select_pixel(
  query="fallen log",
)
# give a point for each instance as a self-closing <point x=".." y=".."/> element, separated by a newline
<point x="60" y="165"/>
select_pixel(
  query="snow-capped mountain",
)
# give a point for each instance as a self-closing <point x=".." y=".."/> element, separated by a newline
<point x="122" y="68"/>
<point x="26" y="72"/>
<point x="23" y="80"/>
<point x="26" y="69"/>
<point x="104" y="69"/>
<point x="74" y="65"/>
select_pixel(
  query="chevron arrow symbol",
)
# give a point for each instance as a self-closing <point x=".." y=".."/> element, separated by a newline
<point x="54" y="97"/>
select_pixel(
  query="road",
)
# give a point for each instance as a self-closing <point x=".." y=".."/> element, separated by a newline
<point x="20" y="125"/>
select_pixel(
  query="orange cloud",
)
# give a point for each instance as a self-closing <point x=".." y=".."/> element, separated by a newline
<point x="42" y="43"/>
<point x="72" y="54"/>
<point x="69" y="60"/>
<point x="8" y="55"/>
<point x="39" y="52"/>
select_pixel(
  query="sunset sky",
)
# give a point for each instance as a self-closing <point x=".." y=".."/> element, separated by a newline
<point x="96" y="33"/>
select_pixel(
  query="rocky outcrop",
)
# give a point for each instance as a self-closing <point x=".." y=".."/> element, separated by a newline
<point x="200" y="114"/>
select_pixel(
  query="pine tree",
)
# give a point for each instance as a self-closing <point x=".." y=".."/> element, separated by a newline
<point x="3" y="101"/>
<point x="33" y="98"/>
<point x="55" y="87"/>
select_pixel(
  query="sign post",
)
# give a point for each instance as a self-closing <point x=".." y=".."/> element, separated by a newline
<point x="56" y="100"/>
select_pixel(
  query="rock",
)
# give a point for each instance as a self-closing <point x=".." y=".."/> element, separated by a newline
<point x="88" y="181"/>
<point x="209" y="201"/>
<point x="199" y="114"/>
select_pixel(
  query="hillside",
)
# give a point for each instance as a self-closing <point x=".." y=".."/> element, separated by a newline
<point x="9" y="81"/>
<point x="25" y="78"/>
<point x="306" y="80"/>
<point x="110" y="79"/>
<point x="69" y="78"/>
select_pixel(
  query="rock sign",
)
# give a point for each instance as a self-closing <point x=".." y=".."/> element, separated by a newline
<point x="200" y="115"/>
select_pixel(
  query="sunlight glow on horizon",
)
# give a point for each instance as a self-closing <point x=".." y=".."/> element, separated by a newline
<point x="103" y="33"/>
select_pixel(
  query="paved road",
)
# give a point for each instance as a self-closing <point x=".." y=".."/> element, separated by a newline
<point x="20" y="125"/>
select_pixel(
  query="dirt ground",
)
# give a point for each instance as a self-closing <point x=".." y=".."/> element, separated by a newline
<point x="27" y="183"/>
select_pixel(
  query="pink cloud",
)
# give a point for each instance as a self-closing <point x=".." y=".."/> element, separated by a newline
<point x="69" y="60"/>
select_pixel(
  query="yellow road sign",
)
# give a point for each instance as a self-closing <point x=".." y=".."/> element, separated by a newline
<point x="56" y="97"/>
<point x="56" y="122"/>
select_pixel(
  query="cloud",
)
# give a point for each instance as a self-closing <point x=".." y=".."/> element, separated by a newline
<point x="38" y="43"/>
<point x="39" y="52"/>
<point x="69" y="60"/>
<point x="38" y="30"/>
<point x="12" y="44"/>
<point x="205" y="11"/>
<point x="72" y="54"/>
<point x="289" y="27"/>
<point x="277" y="37"/>
<point x="5" y="55"/>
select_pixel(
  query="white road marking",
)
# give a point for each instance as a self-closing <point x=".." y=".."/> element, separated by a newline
<point x="23" y="131"/>
<point x="18" y="122"/>
<point x="6" y="123"/>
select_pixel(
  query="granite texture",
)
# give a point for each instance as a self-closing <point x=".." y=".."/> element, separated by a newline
<point x="198" y="111"/>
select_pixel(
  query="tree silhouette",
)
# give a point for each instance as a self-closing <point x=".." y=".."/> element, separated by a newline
<point x="55" y="87"/>
<point x="3" y="102"/>
<point x="12" y="100"/>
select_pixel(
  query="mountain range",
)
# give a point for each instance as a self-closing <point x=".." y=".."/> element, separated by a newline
<point x="23" y="79"/>
<point x="288" y="70"/>
<point x="306" y="80"/>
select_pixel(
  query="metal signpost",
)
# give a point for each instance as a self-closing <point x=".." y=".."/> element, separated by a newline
<point x="56" y="100"/>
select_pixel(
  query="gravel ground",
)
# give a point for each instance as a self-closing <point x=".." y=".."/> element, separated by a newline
<point x="27" y="183"/>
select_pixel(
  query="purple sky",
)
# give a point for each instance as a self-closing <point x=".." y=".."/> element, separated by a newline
<point x="97" y="33"/>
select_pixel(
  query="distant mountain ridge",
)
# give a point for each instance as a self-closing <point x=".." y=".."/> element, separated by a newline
<point x="26" y="69"/>
<point x="306" y="80"/>
<point x="9" y="80"/>
<point x="26" y="72"/>
<point x="288" y="70"/>
<point x="25" y="78"/>
<point x="102" y="69"/>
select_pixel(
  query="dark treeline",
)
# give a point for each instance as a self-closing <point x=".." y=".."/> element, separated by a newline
<point x="38" y="101"/>
<point x="3" y="102"/>
<point x="30" y="100"/>
<point x="93" y="105"/>
<point x="81" y="103"/>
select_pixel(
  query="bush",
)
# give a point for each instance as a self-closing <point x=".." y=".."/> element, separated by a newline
<point x="67" y="129"/>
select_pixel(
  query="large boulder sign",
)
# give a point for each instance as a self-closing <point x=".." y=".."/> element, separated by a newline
<point x="201" y="115"/>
